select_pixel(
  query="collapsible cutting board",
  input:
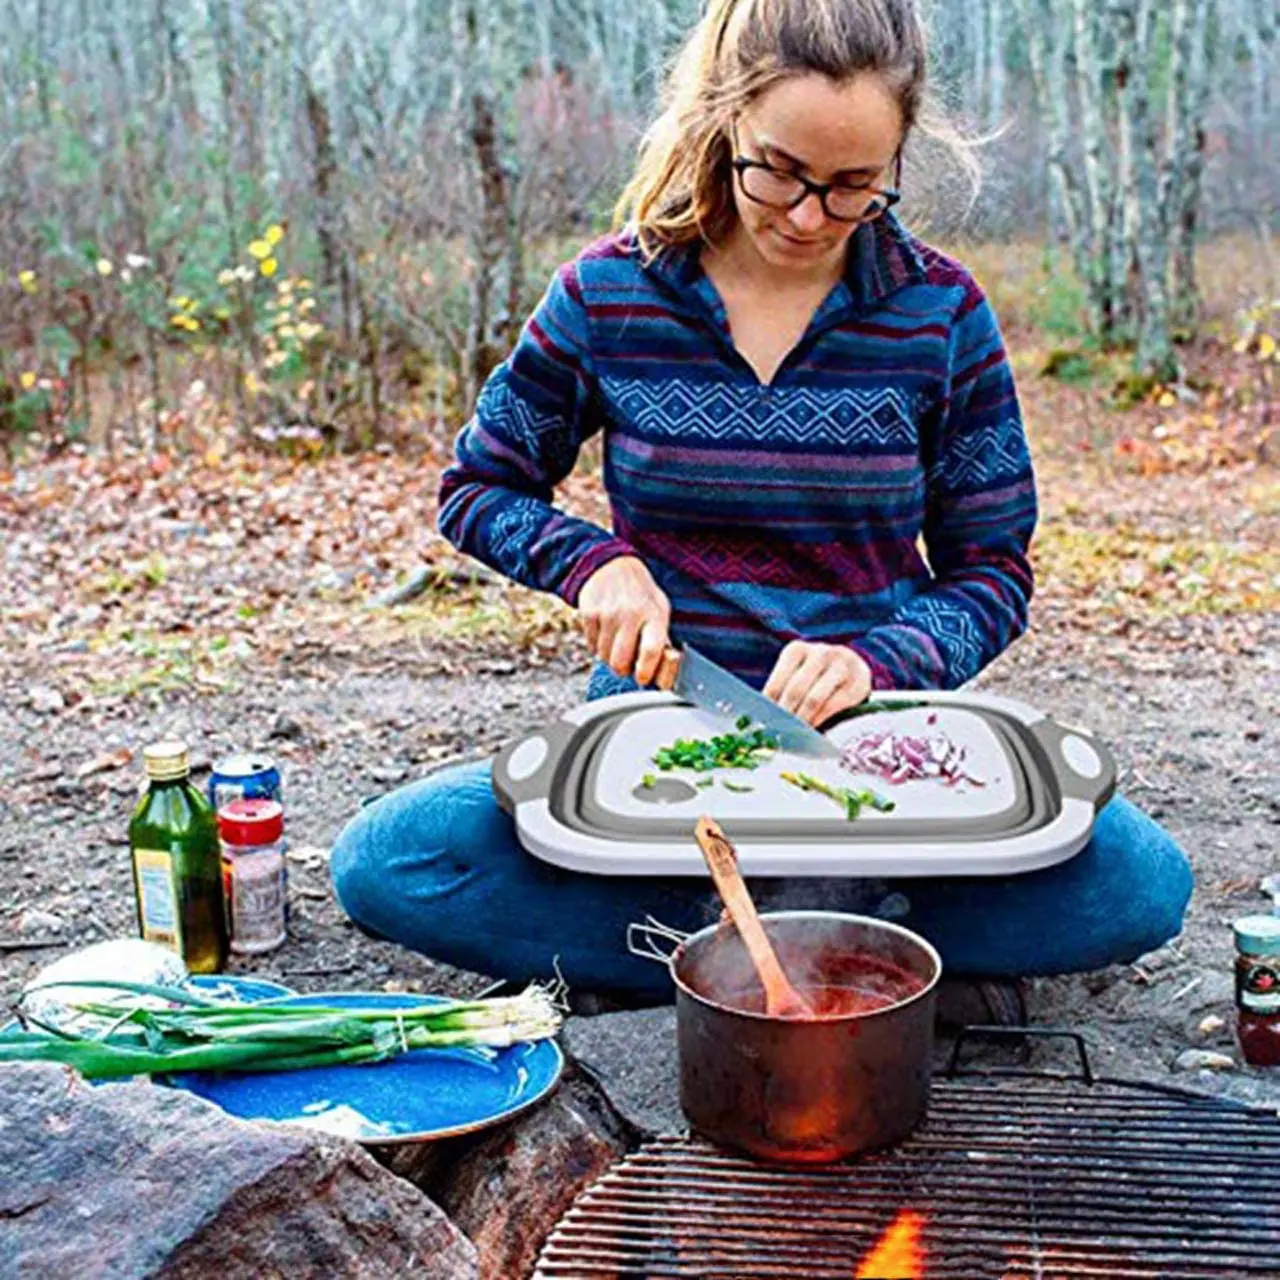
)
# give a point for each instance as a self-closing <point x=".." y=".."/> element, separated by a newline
<point x="576" y="790"/>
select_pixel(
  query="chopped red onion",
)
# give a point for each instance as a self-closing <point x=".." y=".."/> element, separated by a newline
<point x="905" y="757"/>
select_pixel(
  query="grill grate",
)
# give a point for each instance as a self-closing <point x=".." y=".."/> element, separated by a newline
<point x="1017" y="1180"/>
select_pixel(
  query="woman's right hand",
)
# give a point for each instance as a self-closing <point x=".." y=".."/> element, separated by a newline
<point x="624" y="615"/>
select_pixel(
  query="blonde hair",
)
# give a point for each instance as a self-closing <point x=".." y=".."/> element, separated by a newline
<point x="681" y="188"/>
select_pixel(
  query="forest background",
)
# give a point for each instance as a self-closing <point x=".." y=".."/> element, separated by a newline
<point x="256" y="261"/>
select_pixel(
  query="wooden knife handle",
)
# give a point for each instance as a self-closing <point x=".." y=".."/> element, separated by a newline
<point x="668" y="668"/>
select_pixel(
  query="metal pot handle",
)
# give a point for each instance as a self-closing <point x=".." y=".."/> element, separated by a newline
<point x="643" y="940"/>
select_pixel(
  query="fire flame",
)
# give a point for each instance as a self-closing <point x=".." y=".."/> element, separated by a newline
<point x="898" y="1254"/>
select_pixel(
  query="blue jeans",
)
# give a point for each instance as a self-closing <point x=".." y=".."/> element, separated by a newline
<point x="436" y="866"/>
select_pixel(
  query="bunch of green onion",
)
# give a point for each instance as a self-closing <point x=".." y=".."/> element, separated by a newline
<point x="205" y="1035"/>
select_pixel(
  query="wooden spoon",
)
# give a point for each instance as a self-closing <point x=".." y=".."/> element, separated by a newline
<point x="781" y="999"/>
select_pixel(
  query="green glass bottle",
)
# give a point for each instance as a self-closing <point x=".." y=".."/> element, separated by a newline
<point x="177" y="865"/>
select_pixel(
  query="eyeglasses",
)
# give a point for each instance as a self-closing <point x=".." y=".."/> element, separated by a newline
<point x="841" y="201"/>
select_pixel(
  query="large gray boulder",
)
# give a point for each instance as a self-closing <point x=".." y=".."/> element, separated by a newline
<point x="132" y="1179"/>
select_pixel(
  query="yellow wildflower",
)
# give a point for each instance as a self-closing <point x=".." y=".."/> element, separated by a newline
<point x="274" y="234"/>
<point x="286" y="331"/>
<point x="307" y="331"/>
<point x="226" y="277"/>
<point x="284" y="287"/>
<point x="260" y="249"/>
<point x="1266" y="346"/>
<point x="28" y="380"/>
<point x="304" y="284"/>
<point x="104" y="267"/>
<point x="307" y="304"/>
<point x="275" y="359"/>
<point x="268" y="266"/>
<point x="27" y="279"/>
<point x="251" y="383"/>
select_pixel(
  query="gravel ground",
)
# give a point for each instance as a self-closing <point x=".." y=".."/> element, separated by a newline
<point x="1194" y="731"/>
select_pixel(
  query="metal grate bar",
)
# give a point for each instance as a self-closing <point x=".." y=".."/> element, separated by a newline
<point x="1015" y="1181"/>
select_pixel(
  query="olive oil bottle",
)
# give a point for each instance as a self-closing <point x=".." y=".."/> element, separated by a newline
<point x="177" y="867"/>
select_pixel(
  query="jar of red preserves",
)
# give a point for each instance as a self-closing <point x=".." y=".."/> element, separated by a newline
<point x="1258" y="989"/>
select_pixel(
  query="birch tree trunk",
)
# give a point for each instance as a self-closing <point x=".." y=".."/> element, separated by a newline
<point x="1189" y="95"/>
<point x="1101" y="279"/>
<point x="995" y="68"/>
<point x="1144" y="226"/>
<point x="1048" y="36"/>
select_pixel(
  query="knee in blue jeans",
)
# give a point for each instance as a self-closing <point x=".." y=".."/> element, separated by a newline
<point x="351" y="868"/>
<point x="1153" y="911"/>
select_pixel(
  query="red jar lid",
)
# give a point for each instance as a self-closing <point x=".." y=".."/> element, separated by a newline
<point x="250" y="822"/>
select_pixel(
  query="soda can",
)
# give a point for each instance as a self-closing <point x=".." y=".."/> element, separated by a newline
<point x="244" y="777"/>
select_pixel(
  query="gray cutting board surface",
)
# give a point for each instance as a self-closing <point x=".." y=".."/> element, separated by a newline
<point x="627" y="757"/>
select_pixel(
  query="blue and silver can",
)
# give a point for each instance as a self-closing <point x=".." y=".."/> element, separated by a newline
<point x="244" y="777"/>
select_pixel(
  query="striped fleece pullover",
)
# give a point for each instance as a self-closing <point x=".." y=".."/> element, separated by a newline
<point x="876" y="493"/>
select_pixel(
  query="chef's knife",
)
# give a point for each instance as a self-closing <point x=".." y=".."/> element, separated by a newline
<point x="702" y="682"/>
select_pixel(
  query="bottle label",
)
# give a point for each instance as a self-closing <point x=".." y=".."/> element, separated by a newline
<point x="158" y="898"/>
<point x="1258" y="986"/>
<point x="255" y="894"/>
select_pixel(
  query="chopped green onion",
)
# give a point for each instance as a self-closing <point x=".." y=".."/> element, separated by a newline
<point x="739" y="750"/>
<point x="849" y="797"/>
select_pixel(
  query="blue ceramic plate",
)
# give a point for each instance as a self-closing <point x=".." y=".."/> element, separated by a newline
<point x="416" y="1097"/>
<point x="230" y="986"/>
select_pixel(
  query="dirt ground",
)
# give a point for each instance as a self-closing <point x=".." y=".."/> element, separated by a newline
<point x="1194" y="730"/>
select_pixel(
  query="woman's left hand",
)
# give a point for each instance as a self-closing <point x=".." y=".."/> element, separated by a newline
<point x="815" y="681"/>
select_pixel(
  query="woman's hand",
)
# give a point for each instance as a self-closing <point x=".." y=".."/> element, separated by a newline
<point x="624" y="616"/>
<point x="814" y="681"/>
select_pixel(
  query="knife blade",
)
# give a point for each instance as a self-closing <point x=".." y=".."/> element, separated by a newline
<point x="707" y="685"/>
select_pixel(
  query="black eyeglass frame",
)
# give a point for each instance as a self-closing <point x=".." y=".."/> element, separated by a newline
<point x="890" y="195"/>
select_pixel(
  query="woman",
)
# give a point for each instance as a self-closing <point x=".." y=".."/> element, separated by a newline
<point x="793" y="389"/>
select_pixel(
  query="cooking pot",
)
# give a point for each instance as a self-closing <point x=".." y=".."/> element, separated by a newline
<point x="802" y="1090"/>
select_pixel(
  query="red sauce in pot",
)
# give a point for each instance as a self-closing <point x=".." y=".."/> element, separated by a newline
<point x="837" y="985"/>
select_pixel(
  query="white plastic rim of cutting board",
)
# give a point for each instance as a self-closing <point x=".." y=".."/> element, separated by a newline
<point x="527" y="758"/>
<point x="1081" y="756"/>
<point x="542" y="833"/>
<point x="627" y="757"/>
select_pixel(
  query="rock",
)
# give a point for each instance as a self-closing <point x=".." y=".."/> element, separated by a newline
<point x="413" y="586"/>
<point x="1154" y="961"/>
<point x="388" y="773"/>
<point x="34" y="920"/>
<point x="285" y="726"/>
<point x="1270" y="885"/>
<point x="1203" y="1060"/>
<point x="149" y="1181"/>
<point x="1211" y="1024"/>
<point x="45" y="699"/>
<point x="633" y="1055"/>
<point x="509" y="1188"/>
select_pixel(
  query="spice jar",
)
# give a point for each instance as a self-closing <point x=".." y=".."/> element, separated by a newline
<point x="1258" y="989"/>
<point x="253" y="874"/>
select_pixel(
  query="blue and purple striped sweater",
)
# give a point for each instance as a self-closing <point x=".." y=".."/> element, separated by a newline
<point x="767" y="513"/>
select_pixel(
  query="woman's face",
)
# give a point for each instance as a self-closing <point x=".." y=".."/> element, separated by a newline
<point x="847" y="134"/>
